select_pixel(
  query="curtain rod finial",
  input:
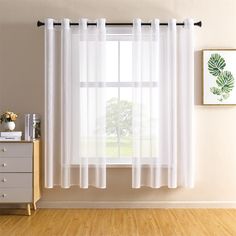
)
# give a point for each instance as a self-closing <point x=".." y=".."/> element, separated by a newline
<point x="39" y="23"/>
<point x="199" y="23"/>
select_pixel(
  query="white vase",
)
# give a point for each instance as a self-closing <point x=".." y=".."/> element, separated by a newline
<point x="9" y="126"/>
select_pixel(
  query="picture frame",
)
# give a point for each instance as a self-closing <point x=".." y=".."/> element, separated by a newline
<point x="219" y="76"/>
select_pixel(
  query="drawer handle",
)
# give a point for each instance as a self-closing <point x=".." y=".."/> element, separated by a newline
<point x="4" y="164"/>
<point x="4" y="180"/>
<point x="4" y="149"/>
<point x="4" y="195"/>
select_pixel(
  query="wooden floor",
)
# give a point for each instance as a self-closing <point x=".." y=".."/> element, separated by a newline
<point x="120" y="222"/>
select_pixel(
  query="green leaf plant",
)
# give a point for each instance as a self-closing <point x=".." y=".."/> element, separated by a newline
<point x="224" y="79"/>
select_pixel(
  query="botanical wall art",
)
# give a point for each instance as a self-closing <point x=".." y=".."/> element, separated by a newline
<point x="219" y="77"/>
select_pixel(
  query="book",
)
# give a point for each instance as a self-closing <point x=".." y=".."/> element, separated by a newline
<point x="32" y="126"/>
<point x="11" y="134"/>
<point x="27" y="127"/>
<point x="10" y="138"/>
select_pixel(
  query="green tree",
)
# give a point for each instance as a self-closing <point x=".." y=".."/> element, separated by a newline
<point x="118" y="118"/>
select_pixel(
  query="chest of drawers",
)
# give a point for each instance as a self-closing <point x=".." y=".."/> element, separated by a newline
<point x="20" y="173"/>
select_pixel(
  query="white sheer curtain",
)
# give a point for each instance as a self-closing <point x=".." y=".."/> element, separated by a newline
<point x="75" y="115"/>
<point x="163" y="116"/>
<point x="76" y="95"/>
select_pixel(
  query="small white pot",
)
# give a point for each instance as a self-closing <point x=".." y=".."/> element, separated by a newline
<point x="9" y="126"/>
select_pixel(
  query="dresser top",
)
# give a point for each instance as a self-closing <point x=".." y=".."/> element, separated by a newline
<point x="21" y="141"/>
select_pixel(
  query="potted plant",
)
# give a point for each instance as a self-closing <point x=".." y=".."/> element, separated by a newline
<point x="8" y="119"/>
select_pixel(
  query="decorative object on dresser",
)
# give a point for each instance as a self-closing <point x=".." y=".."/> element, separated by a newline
<point x="20" y="173"/>
<point x="32" y="126"/>
<point x="8" y="119"/>
<point x="10" y="136"/>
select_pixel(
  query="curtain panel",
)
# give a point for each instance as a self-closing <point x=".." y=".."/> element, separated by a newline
<point x="74" y="117"/>
<point x="163" y="130"/>
<point x="76" y="107"/>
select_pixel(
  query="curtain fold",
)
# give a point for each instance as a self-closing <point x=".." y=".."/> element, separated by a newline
<point x="83" y="65"/>
<point x="172" y="103"/>
<point x="155" y="105"/>
<point x="137" y="96"/>
<point x="49" y="102"/>
<point x="66" y="108"/>
<point x="186" y="105"/>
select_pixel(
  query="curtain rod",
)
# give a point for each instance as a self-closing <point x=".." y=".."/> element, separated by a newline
<point x="40" y="23"/>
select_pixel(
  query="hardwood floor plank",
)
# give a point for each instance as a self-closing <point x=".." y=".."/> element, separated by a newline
<point x="145" y="223"/>
<point x="224" y="219"/>
<point x="166" y="222"/>
<point x="212" y="226"/>
<point x="188" y="223"/>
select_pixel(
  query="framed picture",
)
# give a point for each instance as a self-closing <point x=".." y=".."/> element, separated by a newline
<point x="219" y="77"/>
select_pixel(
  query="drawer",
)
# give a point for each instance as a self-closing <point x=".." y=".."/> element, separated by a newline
<point x="15" y="180"/>
<point x="11" y="195"/>
<point x="15" y="164"/>
<point x="16" y="149"/>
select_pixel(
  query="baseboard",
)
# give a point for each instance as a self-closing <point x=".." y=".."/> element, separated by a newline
<point x="137" y="204"/>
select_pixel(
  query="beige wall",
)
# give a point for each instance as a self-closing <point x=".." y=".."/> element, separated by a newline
<point x="21" y="87"/>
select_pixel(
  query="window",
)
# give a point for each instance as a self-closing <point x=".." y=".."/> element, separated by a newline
<point x="119" y="88"/>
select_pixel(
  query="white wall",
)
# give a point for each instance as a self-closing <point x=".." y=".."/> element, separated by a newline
<point x="21" y="87"/>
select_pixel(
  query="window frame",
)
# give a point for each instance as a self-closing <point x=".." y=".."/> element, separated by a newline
<point x="116" y="162"/>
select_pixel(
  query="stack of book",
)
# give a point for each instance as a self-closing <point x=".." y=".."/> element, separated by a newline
<point x="10" y="136"/>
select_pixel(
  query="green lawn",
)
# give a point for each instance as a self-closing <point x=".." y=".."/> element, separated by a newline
<point x="125" y="147"/>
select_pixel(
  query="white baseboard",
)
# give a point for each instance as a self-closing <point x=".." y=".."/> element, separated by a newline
<point x="137" y="204"/>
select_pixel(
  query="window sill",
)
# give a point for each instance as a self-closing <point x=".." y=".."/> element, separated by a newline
<point x="119" y="163"/>
<point x="119" y="166"/>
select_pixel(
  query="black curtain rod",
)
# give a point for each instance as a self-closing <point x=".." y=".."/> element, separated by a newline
<point x="40" y="23"/>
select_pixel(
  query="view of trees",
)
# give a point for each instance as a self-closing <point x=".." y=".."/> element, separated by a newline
<point x="119" y="118"/>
